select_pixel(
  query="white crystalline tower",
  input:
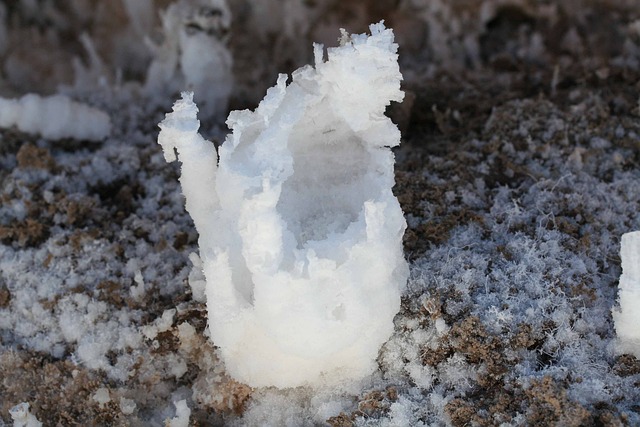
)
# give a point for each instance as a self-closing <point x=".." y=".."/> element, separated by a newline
<point x="627" y="319"/>
<point x="300" y="234"/>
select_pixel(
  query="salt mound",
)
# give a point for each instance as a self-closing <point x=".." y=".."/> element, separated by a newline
<point x="300" y="233"/>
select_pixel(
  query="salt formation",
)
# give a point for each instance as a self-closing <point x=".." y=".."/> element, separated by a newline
<point x="54" y="117"/>
<point x="627" y="319"/>
<point x="300" y="234"/>
<point x="194" y="54"/>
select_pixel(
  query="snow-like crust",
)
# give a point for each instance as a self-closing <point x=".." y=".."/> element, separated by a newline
<point x="300" y="234"/>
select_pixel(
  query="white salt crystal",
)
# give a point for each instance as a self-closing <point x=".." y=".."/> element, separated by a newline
<point x="630" y="256"/>
<point x="127" y="406"/>
<point x="627" y="318"/>
<point x="187" y="336"/>
<point x="300" y="234"/>
<point x="178" y="366"/>
<point x="22" y="417"/>
<point x="54" y="117"/>
<point x="101" y="396"/>
<point x="182" y="415"/>
<point x="138" y="291"/>
<point x="195" y="55"/>
<point x="196" y="278"/>
<point x="161" y="324"/>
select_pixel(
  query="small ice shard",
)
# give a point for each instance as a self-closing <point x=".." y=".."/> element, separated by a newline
<point x="627" y="319"/>
<point x="300" y="233"/>
<point x="54" y="117"/>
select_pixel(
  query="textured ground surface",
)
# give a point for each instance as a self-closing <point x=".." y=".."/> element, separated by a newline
<point x="518" y="173"/>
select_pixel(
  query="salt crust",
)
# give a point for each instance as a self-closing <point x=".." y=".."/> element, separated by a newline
<point x="300" y="234"/>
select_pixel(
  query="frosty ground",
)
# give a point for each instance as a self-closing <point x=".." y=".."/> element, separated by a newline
<point x="518" y="172"/>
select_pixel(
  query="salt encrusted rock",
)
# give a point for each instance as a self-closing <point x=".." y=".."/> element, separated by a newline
<point x="54" y="117"/>
<point x="627" y="319"/>
<point x="300" y="234"/>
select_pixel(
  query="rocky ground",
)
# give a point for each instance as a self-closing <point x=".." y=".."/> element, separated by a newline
<point x="518" y="173"/>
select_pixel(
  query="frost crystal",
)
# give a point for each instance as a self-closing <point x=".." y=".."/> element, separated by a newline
<point x="300" y="234"/>
<point x="627" y="320"/>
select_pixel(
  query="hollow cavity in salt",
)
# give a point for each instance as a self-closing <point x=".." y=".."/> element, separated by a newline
<point x="627" y="319"/>
<point x="300" y="233"/>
